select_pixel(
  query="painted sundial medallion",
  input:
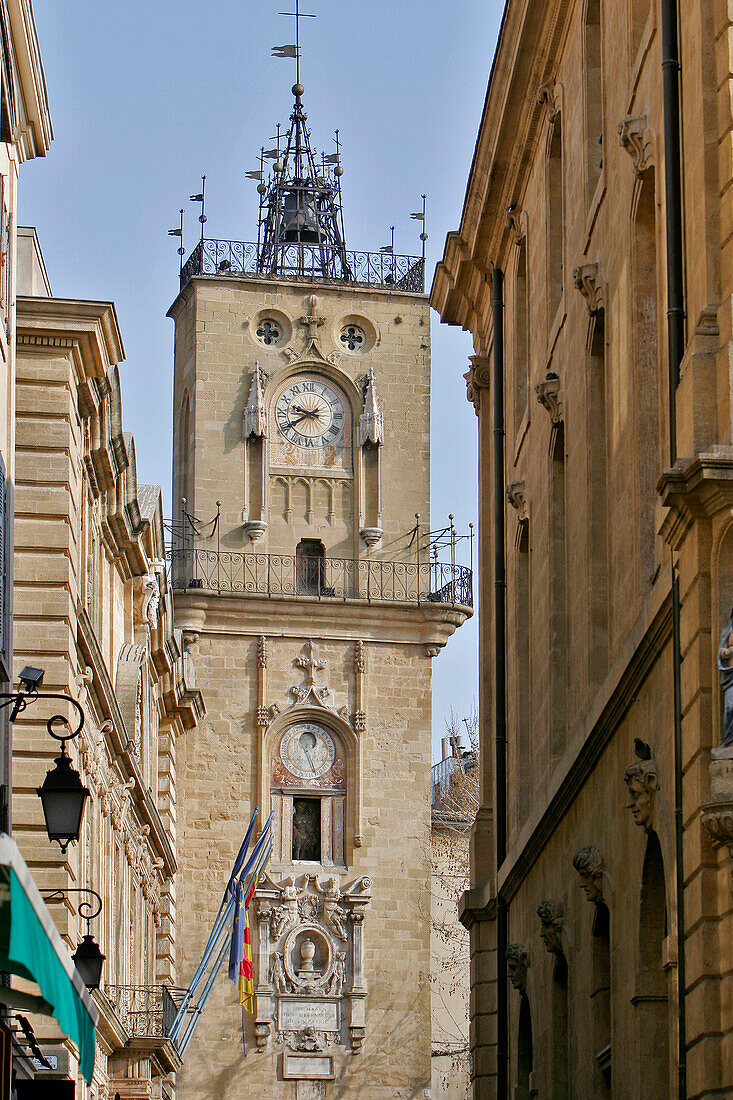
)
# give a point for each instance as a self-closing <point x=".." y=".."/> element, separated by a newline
<point x="307" y="750"/>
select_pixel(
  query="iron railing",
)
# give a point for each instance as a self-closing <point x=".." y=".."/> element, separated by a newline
<point x="321" y="578"/>
<point x="303" y="261"/>
<point x="147" y="1011"/>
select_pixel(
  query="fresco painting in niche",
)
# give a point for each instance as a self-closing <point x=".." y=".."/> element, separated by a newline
<point x="725" y="668"/>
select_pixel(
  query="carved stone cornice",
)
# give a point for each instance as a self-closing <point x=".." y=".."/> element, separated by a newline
<point x="478" y="377"/>
<point x="635" y="137"/>
<point x="548" y="395"/>
<point x="517" y="497"/>
<point x="585" y="279"/>
<point x="695" y="488"/>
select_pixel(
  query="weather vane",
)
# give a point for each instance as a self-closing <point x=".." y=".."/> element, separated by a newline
<point x="293" y="49"/>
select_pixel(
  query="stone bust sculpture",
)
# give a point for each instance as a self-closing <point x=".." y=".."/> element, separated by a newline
<point x="642" y="780"/>
<point x="551" y="914"/>
<point x="588" y="862"/>
<point x="517" y="960"/>
<point x="725" y="669"/>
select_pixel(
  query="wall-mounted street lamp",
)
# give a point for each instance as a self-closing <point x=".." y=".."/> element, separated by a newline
<point x="88" y="959"/>
<point x="63" y="795"/>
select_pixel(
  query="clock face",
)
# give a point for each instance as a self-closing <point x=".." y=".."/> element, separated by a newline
<point x="310" y="415"/>
<point x="307" y="750"/>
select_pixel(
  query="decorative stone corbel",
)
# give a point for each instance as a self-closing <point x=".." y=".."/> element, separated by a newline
<point x="255" y="413"/>
<point x="717" y="812"/>
<point x="642" y="780"/>
<point x="551" y="915"/>
<point x="585" y="278"/>
<point x="517" y="960"/>
<point x="517" y="497"/>
<point x="589" y="864"/>
<point x="547" y="97"/>
<point x="478" y="377"/>
<point x="514" y="220"/>
<point x="548" y="395"/>
<point x="635" y="137"/>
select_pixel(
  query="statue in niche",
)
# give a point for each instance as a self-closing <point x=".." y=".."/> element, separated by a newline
<point x="550" y="913"/>
<point x="278" y="976"/>
<point x="339" y="975"/>
<point x="307" y="829"/>
<point x="588" y="862"/>
<point x="642" y="781"/>
<point x="725" y="668"/>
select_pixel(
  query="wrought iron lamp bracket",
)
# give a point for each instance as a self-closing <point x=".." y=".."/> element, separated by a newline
<point x="20" y="700"/>
<point x="86" y="909"/>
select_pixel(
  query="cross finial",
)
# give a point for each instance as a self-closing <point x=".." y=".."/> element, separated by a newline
<point x="297" y="15"/>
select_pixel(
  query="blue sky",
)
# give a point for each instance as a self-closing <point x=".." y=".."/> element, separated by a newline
<point x="146" y="97"/>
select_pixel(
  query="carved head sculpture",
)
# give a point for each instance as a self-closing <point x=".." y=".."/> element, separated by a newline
<point x="588" y="862"/>
<point x="517" y="961"/>
<point x="550" y="913"/>
<point x="642" y="780"/>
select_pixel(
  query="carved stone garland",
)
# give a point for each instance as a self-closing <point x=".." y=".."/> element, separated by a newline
<point x="311" y="985"/>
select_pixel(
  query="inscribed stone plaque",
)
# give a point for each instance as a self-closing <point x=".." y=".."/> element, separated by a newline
<point x="293" y="1015"/>
<point x="314" y="1067"/>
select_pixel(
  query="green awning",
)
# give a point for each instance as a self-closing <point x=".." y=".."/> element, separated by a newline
<point x="31" y="947"/>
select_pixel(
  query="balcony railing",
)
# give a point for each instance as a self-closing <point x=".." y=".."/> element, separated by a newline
<point x="306" y="262"/>
<point x="321" y="578"/>
<point x="146" y="1011"/>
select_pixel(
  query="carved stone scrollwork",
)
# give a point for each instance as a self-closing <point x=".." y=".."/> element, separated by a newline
<point x="309" y="691"/>
<point x="517" y="959"/>
<point x="551" y="915"/>
<point x="589" y="864"/>
<point x="548" y="395"/>
<point x="718" y="810"/>
<point x="642" y="780"/>
<point x="516" y="496"/>
<point x="585" y="279"/>
<point x="634" y="136"/>
<point x="478" y="377"/>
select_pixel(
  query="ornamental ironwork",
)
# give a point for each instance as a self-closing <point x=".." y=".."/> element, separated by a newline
<point x="146" y="1011"/>
<point x="324" y="579"/>
<point x="239" y="259"/>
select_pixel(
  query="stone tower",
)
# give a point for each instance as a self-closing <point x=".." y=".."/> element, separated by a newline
<point x="311" y="606"/>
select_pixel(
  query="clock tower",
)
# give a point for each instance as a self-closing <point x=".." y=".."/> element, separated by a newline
<point x="311" y="604"/>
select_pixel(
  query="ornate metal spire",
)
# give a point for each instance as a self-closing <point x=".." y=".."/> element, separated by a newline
<point x="301" y="229"/>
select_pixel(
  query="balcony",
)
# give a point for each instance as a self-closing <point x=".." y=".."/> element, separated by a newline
<point x="302" y="262"/>
<point x="146" y="1013"/>
<point x="341" y="579"/>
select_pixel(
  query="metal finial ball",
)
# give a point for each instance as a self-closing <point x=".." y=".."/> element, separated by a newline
<point x="262" y="188"/>
<point x="277" y="166"/>
<point x="338" y="170"/>
<point x="298" y="89"/>
<point x="423" y="236"/>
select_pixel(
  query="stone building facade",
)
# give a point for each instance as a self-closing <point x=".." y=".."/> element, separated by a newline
<point x="312" y="620"/>
<point x="93" y="608"/>
<point x="611" y="821"/>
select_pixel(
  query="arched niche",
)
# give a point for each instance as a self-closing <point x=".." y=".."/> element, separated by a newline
<point x="331" y="795"/>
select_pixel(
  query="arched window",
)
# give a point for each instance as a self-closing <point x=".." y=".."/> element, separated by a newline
<point x="310" y="567"/>
<point x="598" y="499"/>
<point x="593" y="96"/>
<point x="646" y="369"/>
<point x="521" y="336"/>
<point x="524" y="1051"/>
<point x="555" y="218"/>
<point x="522" y="679"/>
<point x="560" y="1031"/>
<point x="558" y="580"/>
<point x="601" y="994"/>
<point x="650" y="999"/>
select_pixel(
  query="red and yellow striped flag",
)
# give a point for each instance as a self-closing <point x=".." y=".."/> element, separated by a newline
<point x="246" y="974"/>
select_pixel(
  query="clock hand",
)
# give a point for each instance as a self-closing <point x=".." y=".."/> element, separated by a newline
<point x="313" y="767"/>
